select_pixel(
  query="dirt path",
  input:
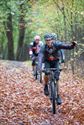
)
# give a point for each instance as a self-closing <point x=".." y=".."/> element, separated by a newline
<point x="22" y="101"/>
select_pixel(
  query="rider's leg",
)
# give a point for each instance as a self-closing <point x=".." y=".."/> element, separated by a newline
<point x="57" y="83"/>
<point x="40" y="61"/>
<point x="46" y="92"/>
<point x="39" y="65"/>
<point x="33" y="62"/>
<point x="59" y="101"/>
<point x="46" y="79"/>
<point x="33" y="66"/>
<point x="57" y="74"/>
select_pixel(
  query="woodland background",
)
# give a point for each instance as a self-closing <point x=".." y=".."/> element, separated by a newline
<point x="21" y="20"/>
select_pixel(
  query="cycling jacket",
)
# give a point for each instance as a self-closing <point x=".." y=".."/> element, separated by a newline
<point x="52" y="53"/>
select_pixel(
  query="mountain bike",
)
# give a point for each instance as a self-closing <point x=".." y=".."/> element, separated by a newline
<point x="52" y="87"/>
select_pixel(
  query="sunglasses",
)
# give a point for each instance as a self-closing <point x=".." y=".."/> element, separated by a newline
<point x="48" y="39"/>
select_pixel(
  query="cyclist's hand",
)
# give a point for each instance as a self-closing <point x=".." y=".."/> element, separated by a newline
<point x="34" y="48"/>
<point x="74" y="43"/>
<point x="62" y="61"/>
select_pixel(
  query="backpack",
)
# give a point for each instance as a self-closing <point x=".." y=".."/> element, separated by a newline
<point x="61" y="56"/>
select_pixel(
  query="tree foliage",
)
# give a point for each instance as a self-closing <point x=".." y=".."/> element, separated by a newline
<point x="65" y="18"/>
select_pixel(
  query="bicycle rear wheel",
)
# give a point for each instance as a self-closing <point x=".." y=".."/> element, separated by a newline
<point x="53" y="96"/>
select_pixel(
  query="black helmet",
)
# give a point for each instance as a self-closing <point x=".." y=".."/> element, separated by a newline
<point x="47" y="37"/>
<point x="54" y="36"/>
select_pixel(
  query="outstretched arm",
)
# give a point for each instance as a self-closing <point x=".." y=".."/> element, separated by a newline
<point x="65" y="46"/>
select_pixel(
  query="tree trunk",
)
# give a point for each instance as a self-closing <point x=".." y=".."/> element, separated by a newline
<point x="9" y="34"/>
<point x="65" y="29"/>
<point x="21" y="34"/>
<point x="73" y="38"/>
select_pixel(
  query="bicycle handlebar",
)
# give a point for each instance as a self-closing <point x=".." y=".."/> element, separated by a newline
<point x="49" y="70"/>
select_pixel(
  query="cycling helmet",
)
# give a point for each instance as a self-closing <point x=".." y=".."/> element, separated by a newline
<point x="47" y="37"/>
<point x="54" y="36"/>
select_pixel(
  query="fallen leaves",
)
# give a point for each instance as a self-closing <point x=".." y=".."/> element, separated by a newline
<point x="22" y="101"/>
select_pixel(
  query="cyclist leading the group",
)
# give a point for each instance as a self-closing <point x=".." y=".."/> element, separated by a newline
<point x="50" y="52"/>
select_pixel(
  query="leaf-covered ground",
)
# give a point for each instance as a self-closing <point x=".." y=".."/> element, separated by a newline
<point x="22" y="101"/>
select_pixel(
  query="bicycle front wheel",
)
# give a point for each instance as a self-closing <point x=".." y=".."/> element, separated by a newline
<point x="36" y="73"/>
<point x="40" y="77"/>
<point x="53" y="96"/>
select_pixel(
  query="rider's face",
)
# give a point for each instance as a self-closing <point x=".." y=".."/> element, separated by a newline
<point x="37" y="41"/>
<point x="49" y="42"/>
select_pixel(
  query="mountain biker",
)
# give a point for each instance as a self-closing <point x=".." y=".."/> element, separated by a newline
<point x="50" y="51"/>
<point x="34" y="49"/>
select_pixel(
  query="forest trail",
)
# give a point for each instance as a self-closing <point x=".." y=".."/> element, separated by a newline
<point x="22" y="101"/>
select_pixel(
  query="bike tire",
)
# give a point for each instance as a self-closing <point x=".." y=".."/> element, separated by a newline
<point x="40" y="77"/>
<point x="53" y="97"/>
<point x="36" y="73"/>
